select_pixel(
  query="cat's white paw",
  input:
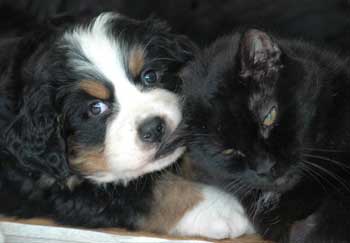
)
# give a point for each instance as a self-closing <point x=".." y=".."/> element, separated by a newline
<point x="218" y="216"/>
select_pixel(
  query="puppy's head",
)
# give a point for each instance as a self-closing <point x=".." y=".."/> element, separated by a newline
<point x="122" y="107"/>
<point x="114" y="83"/>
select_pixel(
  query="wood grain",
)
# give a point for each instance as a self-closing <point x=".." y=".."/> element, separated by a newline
<point x="117" y="231"/>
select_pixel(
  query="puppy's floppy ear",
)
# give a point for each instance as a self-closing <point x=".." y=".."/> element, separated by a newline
<point x="34" y="137"/>
<point x="180" y="47"/>
<point x="260" y="56"/>
<point x="185" y="49"/>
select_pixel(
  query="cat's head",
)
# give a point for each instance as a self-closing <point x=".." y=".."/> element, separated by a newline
<point x="244" y="114"/>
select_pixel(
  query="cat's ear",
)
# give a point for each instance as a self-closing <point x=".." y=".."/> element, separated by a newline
<point x="260" y="69"/>
<point x="260" y="56"/>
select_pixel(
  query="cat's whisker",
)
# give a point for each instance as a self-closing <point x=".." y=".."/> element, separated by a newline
<point x="324" y="150"/>
<point x="336" y="162"/>
<point x="254" y="207"/>
<point x="228" y="186"/>
<point x="238" y="189"/>
<point x="309" y="171"/>
<point x="329" y="173"/>
<point x="321" y="176"/>
<point x="248" y="191"/>
<point x="233" y="184"/>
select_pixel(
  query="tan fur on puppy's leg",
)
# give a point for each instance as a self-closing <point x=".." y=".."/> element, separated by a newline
<point x="173" y="197"/>
<point x="185" y="208"/>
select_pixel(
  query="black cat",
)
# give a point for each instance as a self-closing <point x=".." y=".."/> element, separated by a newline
<point x="270" y="122"/>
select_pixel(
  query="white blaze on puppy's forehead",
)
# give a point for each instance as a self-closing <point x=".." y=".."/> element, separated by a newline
<point x="102" y="50"/>
<point x="104" y="54"/>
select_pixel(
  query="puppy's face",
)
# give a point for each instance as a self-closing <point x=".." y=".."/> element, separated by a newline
<point x="118" y="94"/>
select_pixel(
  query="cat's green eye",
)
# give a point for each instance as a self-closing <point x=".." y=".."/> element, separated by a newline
<point x="233" y="152"/>
<point x="270" y="118"/>
<point x="228" y="151"/>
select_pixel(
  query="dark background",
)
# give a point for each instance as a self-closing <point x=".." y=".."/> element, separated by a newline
<point x="326" y="22"/>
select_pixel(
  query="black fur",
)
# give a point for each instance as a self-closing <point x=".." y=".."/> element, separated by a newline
<point x="37" y="125"/>
<point x="26" y="194"/>
<point x="324" y="21"/>
<point x="291" y="175"/>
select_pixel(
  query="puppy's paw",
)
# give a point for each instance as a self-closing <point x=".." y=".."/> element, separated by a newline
<point x="2" y="237"/>
<point x="218" y="216"/>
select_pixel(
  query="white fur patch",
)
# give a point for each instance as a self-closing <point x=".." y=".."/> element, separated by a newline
<point x="127" y="156"/>
<point x="2" y="237"/>
<point x="218" y="216"/>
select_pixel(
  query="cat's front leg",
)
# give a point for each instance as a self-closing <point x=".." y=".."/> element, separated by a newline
<point x="329" y="223"/>
<point x="184" y="208"/>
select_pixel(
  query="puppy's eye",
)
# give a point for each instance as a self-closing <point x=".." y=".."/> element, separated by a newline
<point x="149" y="77"/>
<point x="270" y="118"/>
<point x="97" y="108"/>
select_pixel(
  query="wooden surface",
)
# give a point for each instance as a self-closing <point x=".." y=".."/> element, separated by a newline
<point x="46" y="222"/>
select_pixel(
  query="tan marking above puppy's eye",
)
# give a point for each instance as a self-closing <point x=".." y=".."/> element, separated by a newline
<point x="95" y="88"/>
<point x="270" y="118"/>
<point x="136" y="61"/>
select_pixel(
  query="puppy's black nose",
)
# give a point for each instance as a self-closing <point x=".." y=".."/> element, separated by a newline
<point x="152" y="130"/>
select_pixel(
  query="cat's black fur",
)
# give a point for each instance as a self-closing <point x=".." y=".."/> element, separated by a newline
<point x="292" y="176"/>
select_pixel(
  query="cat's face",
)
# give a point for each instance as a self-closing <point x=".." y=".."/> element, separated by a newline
<point x="243" y="113"/>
